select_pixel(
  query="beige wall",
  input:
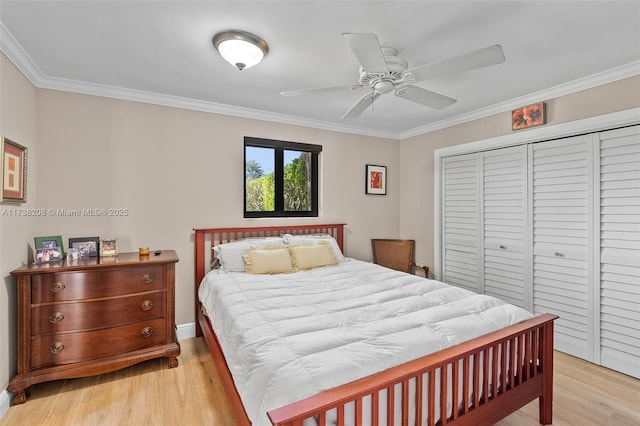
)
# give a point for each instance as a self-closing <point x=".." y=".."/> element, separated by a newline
<point x="417" y="154"/>
<point x="176" y="169"/>
<point x="18" y="123"/>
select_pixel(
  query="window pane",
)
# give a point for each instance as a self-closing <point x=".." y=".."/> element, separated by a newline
<point x="259" y="179"/>
<point x="297" y="181"/>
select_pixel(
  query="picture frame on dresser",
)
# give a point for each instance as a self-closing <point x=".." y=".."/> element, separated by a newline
<point x="49" y="254"/>
<point x="47" y="242"/>
<point x="89" y="246"/>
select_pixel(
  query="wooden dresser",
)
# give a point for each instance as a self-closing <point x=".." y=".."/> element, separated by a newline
<point x="92" y="316"/>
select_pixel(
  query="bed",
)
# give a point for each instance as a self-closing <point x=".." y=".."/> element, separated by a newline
<point x="474" y="381"/>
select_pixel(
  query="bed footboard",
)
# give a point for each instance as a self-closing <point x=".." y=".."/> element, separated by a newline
<point x="486" y="379"/>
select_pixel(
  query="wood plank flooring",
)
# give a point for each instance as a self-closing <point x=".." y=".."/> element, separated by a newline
<point x="151" y="394"/>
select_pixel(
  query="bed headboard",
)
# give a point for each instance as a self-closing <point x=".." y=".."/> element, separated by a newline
<point x="207" y="238"/>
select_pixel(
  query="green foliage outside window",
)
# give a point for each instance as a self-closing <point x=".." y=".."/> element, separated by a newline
<point x="289" y="186"/>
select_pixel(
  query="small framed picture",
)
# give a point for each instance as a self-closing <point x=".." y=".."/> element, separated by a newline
<point x="89" y="246"/>
<point x="13" y="172"/>
<point x="52" y="254"/>
<point x="376" y="180"/>
<point x="74" y="254"/>
<point x="108" y="247"/>
<point x="54" y="241"/>
<point x="529" y="116"/>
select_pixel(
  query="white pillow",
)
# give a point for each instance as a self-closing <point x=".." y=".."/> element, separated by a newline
<point x="306" y="240"/>
<point x="230" y="254"/>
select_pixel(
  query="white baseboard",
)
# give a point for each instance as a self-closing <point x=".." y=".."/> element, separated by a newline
<point x="186" y="331"/>
<point x="5" y="401"/>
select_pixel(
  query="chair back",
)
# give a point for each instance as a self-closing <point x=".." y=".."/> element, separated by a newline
<point x="394" y="254"/>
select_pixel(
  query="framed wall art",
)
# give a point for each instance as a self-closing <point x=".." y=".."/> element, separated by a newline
<point x="529" y="116"/>
<point x="376" y="180"/>
<point x="13" y="172"/>
<point x="89" y="246"/>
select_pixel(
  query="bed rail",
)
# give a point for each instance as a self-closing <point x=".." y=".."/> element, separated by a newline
<point x="419" y="389"/>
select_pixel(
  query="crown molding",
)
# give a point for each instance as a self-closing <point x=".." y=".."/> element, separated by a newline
<point x="16" y="54"/>
<point x="620" y="73"/>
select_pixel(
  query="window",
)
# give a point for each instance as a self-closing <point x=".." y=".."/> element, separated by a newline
<point x="280" y="178"/>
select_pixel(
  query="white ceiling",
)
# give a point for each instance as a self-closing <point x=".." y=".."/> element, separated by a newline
<point x="161" y="52"/>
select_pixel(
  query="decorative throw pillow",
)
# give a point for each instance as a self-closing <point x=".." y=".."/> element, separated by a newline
<point x="298" y="240"/>
<point x="268" y="261"/>
<point x="313" y="256"/>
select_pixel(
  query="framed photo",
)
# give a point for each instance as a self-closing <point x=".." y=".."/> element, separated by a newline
<point x="13" y="172"/>
<point x="44" y="255"/>
<point x="376" y="180"/>
<point x="89" y="246"/>
<point x="529" y="116"/>
<point x="108" y="247"/>
<point x="54" y="241"/>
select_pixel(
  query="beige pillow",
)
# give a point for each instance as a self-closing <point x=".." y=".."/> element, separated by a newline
<point x="268" y="261"/>
<point x="313" y="256"/>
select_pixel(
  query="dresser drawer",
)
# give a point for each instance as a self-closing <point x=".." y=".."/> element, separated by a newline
<point x="77" y="316"/>
<point x="64" y="348"/>
<point x="93" y="284"/>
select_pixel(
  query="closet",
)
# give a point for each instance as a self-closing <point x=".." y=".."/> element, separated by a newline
<point x="553" y="226"/>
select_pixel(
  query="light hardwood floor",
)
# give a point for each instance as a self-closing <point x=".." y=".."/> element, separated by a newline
<point x="150" y="394"/>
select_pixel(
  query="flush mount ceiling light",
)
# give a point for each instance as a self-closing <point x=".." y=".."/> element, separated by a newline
<point x="240" y="48"/>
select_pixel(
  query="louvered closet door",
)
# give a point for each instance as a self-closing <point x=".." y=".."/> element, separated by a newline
<point x="505" y="225"/>
<point x="562" y="190"/>
<point x="460" y="221"/>
<point x="619" y="291"/>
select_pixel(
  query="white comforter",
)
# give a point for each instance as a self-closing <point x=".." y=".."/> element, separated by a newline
<point x="289" y="336"/>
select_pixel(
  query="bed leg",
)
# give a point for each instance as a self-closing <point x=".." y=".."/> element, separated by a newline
<point x="546" y="364"/>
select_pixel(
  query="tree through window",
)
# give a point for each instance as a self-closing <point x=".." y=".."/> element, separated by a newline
<point x="281" y="178"/>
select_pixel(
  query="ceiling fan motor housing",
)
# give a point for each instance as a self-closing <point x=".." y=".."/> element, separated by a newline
<point x="385" y="82"/>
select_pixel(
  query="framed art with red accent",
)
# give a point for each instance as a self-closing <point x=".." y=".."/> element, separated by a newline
<point x="376" y="180"/>
<point x="528" y="116"/>
<point x="14" y="172"/>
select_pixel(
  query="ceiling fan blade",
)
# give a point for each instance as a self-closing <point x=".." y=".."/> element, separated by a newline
<point x="321" y="90"/>
<point x="359" y="107"/>
<point x="367" y="49"/>
<point x="484" y="57"/>
<point x="425" y="97"/>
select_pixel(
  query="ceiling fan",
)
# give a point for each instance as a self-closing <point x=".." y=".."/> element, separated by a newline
<point x="382" y="72"/>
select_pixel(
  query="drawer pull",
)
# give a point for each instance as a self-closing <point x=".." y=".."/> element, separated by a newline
<point x="147" y="305"/>
<point x="56" y="317"/>
<point x="56" y="348"/>
<point x="57" y="287"/>
<point x="147" y="278"/>
<point x="147" y="332"/>
<point x="503" y="247"/>
<point x="558" y="254"/>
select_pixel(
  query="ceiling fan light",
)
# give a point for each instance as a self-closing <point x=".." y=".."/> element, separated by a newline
<point x="241" y="49"/>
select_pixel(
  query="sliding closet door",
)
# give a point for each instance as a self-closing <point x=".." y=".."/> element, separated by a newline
<point x="619" y="290"/>
<point x="506" y="254"/>
<point x="461" y="250"/>
<point x="561" y="187"/>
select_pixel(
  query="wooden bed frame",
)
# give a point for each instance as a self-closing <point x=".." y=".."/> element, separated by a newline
<point x="524" y="351"/>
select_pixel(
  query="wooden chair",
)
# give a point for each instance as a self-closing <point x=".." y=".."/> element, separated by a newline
<point x="396" y="254"/>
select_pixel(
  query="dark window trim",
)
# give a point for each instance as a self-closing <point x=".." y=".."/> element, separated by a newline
<point x="279" y="147"/>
